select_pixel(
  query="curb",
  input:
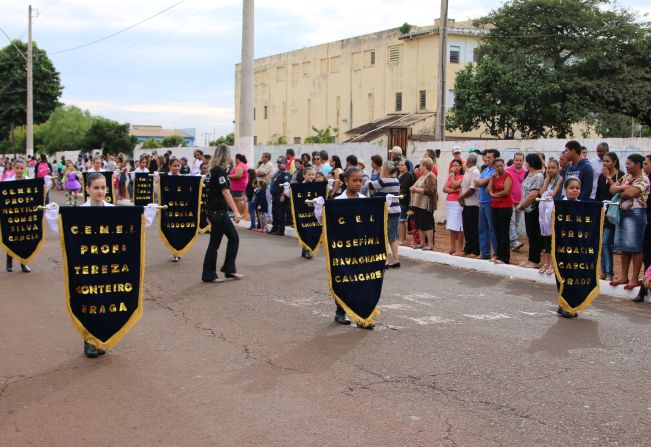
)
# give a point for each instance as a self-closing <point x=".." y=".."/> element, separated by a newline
<point x="478" y="265"/>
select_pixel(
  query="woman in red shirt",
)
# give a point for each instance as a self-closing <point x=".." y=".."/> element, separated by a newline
<point x="499" y="188"/>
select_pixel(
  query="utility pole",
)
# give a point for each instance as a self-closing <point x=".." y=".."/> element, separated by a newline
<point x="440" y="90"/>
<point x="245" y="144"/>
<point x="30" y="92"/>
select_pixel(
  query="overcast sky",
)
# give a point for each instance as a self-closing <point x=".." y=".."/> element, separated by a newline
<point x="177" y="69"/>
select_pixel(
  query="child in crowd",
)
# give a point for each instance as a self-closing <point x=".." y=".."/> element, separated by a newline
<point x="249" y="192"/>
<point x="175" y="169"/>
<point x="309" y="176"/>
<point x="261" y="205"/>
<point x="572" y="190"/>
<point x="18" y="171"/>
<point x="550" y="188"/>
<point x="72" y="185"/>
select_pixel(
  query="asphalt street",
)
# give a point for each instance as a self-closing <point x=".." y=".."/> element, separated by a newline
<point x="458" y="359"/>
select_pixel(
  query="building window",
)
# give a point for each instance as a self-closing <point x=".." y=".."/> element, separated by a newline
<point x="335" y="64"/>
<point x="394" y="54"/>
<point x="475" y="56"/>
<point x="265" y="112"/>
<point x="307" y="69"/>
<point x="449" y="99"/>
<point x="422" y="99"/>
<point x="260" y="77"/>
<point x="398" y="101"/>
<point x="357" y="61"/>
<point x="296" y="72"/>
<point x="324" y="66"/>
<point x="255" y="140"/>
<point x="254" y="114"/>
<point x="369" y="58"/>
<point x="455" y="53"/>
<point x="280" y="74"/>
<point x="297" y="140"/>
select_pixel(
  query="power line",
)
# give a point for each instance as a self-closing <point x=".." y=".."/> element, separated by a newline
<point x="13" y="44"/>
<point x="118" y="32"/>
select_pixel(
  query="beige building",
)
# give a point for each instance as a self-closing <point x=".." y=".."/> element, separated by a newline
<point x="363" y="86"/>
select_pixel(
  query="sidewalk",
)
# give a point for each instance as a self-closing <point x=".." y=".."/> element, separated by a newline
<point x="478" y="265"/>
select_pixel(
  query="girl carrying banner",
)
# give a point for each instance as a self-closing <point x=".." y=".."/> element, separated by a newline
<point x="96" y="190"/>
<point x="18" y="174"/>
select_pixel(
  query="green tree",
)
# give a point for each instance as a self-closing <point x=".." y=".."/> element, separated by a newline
<point x="573" y="56"/>
<point x="151" y="144"/>
<point x="326" y="135"/>
<point x="174" y="141"/>
<point x="65" y="130"/>
<point x="13" y="87"/>
<point x="109" y="136"/>
<point x="228" y="140"/>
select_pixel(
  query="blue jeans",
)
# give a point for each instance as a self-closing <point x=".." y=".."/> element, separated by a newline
<point x="251" y="213"/>
<point x="515" y="229"/>
<point x="486" y="231"/>
<point x="607" y="246"/>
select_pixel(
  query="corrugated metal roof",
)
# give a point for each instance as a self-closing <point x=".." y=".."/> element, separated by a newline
<point x="375" y="129"/>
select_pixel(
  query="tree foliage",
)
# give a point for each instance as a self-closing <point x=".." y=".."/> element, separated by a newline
<point x="151" y="144"/>
<point x="65" y="130"/>
<point x="548" y="64"/>
<point x="109" y="136"/>
<point x="174" y="141"/>
<point x="228" y="140"/>
<point x="13" y="87"/>
<point x="326" y="135"/>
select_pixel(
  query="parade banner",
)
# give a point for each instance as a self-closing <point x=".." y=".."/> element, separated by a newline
<point x="204" y="224"/>
<point x="21" y="222"/>
<point x="308" y="228"/>
<point x="576" y="252"/>
<point x="179" y="222"/>
<point x="143" y="189"/>
<point x="110" y="198"/>
<point x="104" y="262"/>
<point x="355" y="232"/>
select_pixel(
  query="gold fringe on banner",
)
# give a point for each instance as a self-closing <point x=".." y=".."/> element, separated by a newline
<point x="595" y="291"/>
<point x="353" y="316"/>
<point x="135" y="317"/>
<point x="11" y="253"/>
<point x="298" y="235"/>
<point x="189" y="245"/>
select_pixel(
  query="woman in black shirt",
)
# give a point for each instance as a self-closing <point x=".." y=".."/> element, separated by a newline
<point x="219" y="200"/>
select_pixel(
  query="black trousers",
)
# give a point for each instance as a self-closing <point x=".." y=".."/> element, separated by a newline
<point x="470" y="218"/>
<point x="221" y="226"/>
<point x="533" y="234"/>
<point x="501" y="224"/>
<point x="278" y="210"/>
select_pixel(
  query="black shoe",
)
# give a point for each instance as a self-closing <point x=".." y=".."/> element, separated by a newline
<point x="342" y="319"/>
<point x="308" y="255"/>
<point x="559" y="311"/>
<point x="215" y="280"/>
<point x="25" y="268"/>
<point x="566" y="314"/>
<point x="640" y="296"/>
<point x="394" y="266"/>
<point x="90" y="350"/>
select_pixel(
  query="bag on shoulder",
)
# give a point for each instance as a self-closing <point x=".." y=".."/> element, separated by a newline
<point x="612" y="212"/>
<point x="43" y="170"/>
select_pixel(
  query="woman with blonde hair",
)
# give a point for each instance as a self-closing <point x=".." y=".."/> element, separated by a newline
<point x="423" y="203"/>
<point x="219" y="200"/>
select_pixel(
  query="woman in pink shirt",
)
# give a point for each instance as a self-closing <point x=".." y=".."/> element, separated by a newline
<point x="239" y="177"/>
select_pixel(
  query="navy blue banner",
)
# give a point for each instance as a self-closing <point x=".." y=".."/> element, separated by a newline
<point x="179" y="222"/>
<point x="110" y="197"/>
<point x="104" y="263"/>
<point x="143" y="189"/>
<point x="308" y="228"/>
<point x="355" y="232"/>
<point x="576" y="252"/>
<point x="21" y="222"/>
<point x="204" y="224"/>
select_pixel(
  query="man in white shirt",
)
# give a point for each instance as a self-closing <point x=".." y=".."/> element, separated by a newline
<point x="597" y="164"/>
